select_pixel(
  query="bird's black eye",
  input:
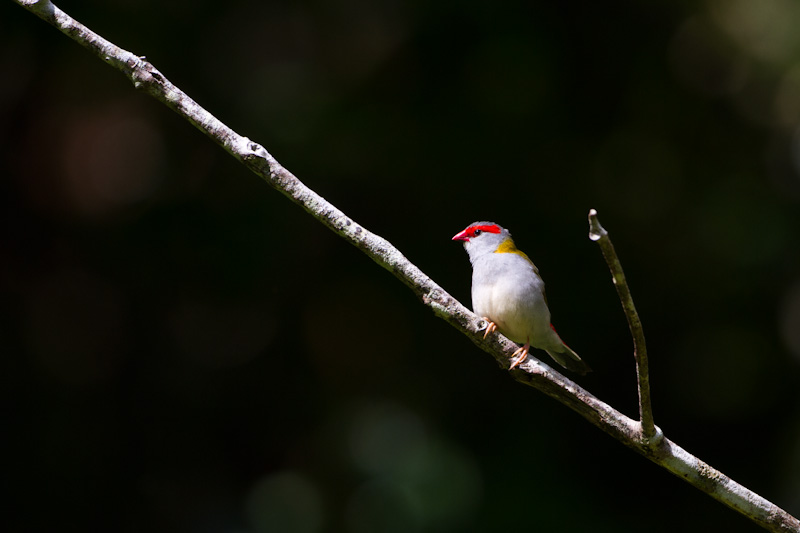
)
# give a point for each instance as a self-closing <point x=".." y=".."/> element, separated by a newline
<point x="476" y="232"/>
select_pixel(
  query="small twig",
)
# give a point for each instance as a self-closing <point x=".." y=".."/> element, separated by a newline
<point x="599" y="234"/>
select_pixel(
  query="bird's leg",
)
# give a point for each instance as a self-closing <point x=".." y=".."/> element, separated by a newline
<point x="491" y="327"/>
<point x="522" y="357"/>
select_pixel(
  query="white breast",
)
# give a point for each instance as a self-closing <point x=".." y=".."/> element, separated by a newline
<point x="506" y="289"/>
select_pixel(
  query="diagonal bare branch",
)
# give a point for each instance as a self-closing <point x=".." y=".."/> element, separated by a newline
<point x="533" y="372"/>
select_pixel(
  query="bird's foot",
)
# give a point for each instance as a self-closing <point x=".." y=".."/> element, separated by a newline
<point x="491" y="327"/>
<point x="521" y="358"/>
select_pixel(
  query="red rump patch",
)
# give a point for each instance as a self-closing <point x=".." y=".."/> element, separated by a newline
<point x="559" y="338"/>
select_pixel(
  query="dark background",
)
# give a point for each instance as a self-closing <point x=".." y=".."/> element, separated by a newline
<point x="183" y="349"/>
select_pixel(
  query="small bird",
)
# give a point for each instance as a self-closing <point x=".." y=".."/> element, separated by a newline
<point x="508" y="293"/>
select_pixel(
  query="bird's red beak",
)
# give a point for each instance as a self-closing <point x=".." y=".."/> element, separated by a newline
<point x="461" y="236"/>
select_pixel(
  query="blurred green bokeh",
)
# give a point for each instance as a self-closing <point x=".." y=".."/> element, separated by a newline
<point x="185" y="350"/>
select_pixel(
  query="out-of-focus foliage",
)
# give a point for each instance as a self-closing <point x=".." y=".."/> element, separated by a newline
<point x="185" y="350"/>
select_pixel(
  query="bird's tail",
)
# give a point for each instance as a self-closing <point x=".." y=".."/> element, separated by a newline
<point x="567" y="358"/>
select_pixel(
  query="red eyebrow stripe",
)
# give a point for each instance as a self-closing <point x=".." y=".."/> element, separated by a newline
<point x="469" y="233"/>
<point x="494" y="228"/>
